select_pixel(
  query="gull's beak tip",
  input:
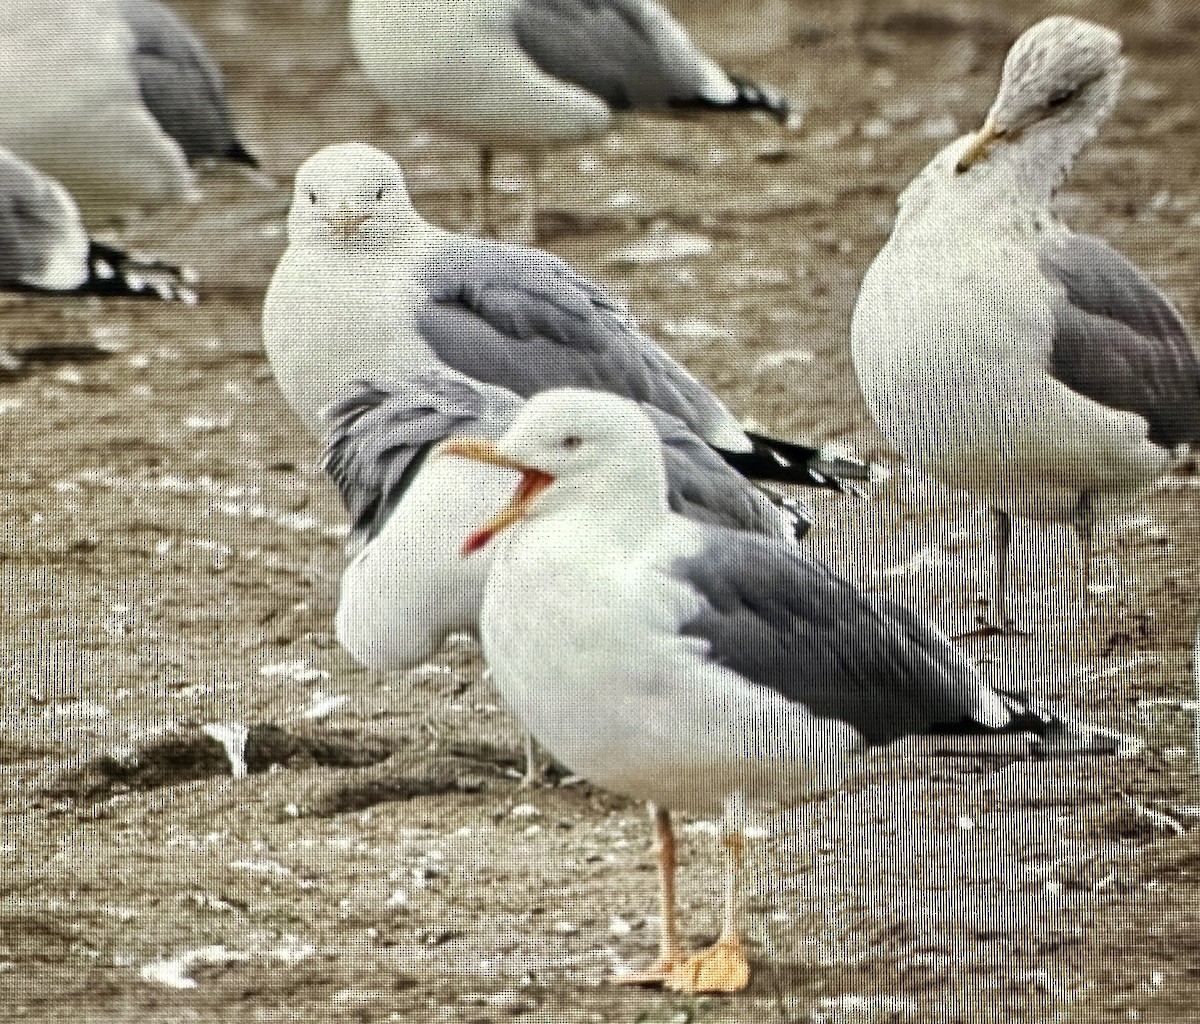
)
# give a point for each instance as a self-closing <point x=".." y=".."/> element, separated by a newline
<point x="978" y="148"/>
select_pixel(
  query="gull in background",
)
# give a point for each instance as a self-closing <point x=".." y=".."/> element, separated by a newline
<point x="702" y="668"/>
<point x="369" y="290"/>
<point x="117" y="99"/>
<point x="1001" y="352"/>
<point x="44" y="246"/>
<point x="533" y="74"/>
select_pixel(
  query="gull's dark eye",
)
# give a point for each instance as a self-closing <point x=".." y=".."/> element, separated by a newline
<point x="1059" y="98"/>
<point x="312" y="197"/>
<point x="573" y="441"/>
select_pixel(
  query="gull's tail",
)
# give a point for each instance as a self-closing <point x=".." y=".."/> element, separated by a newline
<point x="1029" y="731"/>
<point x="774" y="461"/>
<point x="114" y="272"/>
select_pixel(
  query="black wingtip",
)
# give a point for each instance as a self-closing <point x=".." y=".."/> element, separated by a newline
<point x="758" y="96"/>
<point x="1044" y="733"/>
<point x="239" y="154"/>
<point x="113" y="272"/>
<point x="772" y="460"/>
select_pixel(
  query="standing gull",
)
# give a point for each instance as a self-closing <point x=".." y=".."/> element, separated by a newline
<point x="701" y="668"/>
<point x="369" y="290"/>
<point x="1001" y="352"/>
<point x="44" y="246"/>
<point x="533" y="74"/>
<point x="117" y="99"/>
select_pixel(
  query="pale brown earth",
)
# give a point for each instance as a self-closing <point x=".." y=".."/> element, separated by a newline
<point x="171" y="555"/>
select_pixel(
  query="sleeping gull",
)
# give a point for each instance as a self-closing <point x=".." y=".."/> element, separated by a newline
<point x="405" y="588"/>
<point x="533" y="74"/>
<point x="1001" y="352"/>
<point x="117" y="99"/>
<point x="369" y="290"/>
<point x="44" y="246"/>
<point x="702" y="668"/>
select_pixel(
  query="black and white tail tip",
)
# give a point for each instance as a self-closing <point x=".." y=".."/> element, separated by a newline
<point x="117" y="273"/>
<point x="757" y="96"/>
<point x="1032" y="731"/>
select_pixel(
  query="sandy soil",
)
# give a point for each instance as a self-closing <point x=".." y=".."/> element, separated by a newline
<point x="171" y="555"/>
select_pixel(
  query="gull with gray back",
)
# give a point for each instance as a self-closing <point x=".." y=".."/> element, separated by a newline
<point x="44" y="246"/>
<point x="703" y="668"/>
<point x="532" y="74"/>
<point x="1006" y="355"/>
<point x="117" y="99"/>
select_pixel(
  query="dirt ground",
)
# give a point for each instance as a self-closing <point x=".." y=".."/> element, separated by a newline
<point x="171" y="556"/>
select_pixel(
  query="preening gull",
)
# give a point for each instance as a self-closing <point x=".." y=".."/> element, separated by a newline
<point x="1001" y="352"/>
<point x="45" y="247"/>
<point x="406" y="588"/>
<point x="117" y="99"/>
<point x="369" y="290"/>
<point x="532" y="74"/>
<point x="702" y="668"/>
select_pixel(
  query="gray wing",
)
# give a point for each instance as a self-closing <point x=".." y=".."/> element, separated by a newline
<point x="1120" y="342"/>
<point x="29" y="213"/>
<point x="627" y="52"/>
<point x="380" y="435"/>
<point x="522" y="319"/>
<point x="702" y="486"/>
<point x="180" y="84"/>
<point x="786" y="622"/>
<point x="632" y="53"/>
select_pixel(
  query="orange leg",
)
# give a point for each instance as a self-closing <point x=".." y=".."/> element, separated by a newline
<point x="670" y="951"/>
<point x="722" y="967"/>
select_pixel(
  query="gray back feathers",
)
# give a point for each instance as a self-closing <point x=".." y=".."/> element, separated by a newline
<point x="1118" y="340"/>
<point x="524" y="320"/>
<point x="628" y="52"/>
<point x="180" y="84"/>
<point x="786" y="622"/>
<point x="381" y="434"/>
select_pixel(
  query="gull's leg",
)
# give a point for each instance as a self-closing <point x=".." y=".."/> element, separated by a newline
<point x="531" y="768"/>
<point x="534" y="161"/>
<point x="1002" y="542"/>
<point x="670" y="952"/>
<point x="1083" y="519"/>
<point x="1002" y="523"/>
<point x="481" y="212"/>
<point x="722" y="967"/>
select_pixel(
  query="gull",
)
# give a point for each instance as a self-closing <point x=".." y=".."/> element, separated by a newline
<point x="44" y="246"/>
<point x="117" y="99"/>
<point x="702" y="668"/>
<point x="405" y="588"/>
<point x="1001" y="352"/>
<point x="534" y="74"/>
<point x="369" y="290"/>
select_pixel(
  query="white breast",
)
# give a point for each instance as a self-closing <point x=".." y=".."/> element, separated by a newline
<point x="583" y="640"/>
<point x="951" y="343"/>
<point x="329" y="321"/>
<point x="411" y="586"/>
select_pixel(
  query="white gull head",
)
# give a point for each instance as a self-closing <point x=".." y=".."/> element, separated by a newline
<point x="350" y="195"/>
<point x="1051" y="66"/>
<point x="580" y="452"/>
